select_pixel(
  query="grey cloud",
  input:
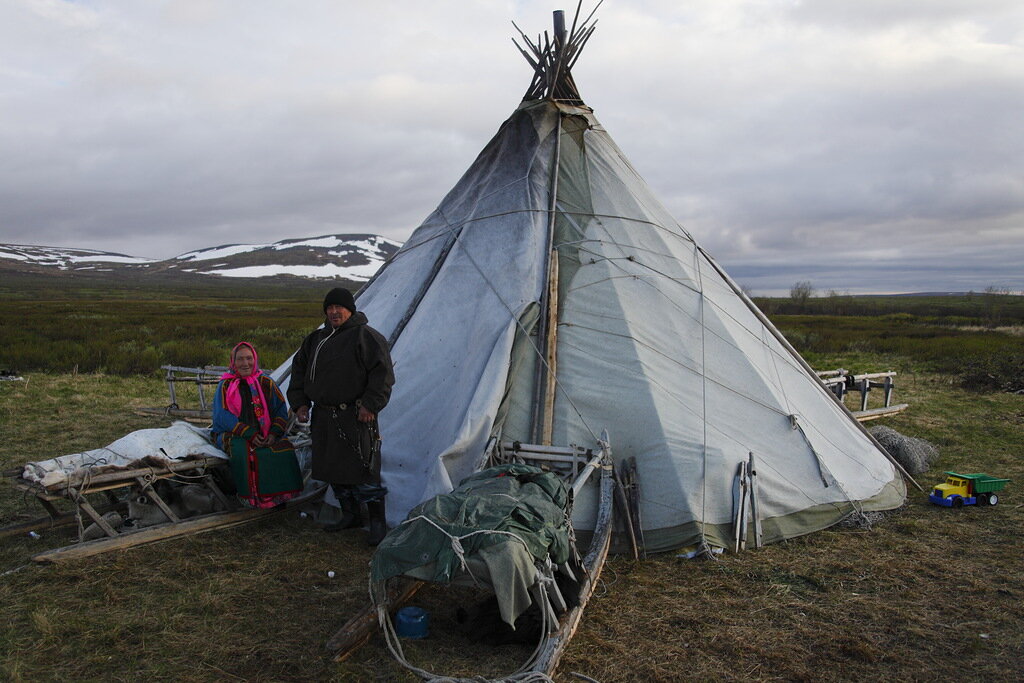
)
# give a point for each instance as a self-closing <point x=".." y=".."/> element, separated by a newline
<point x="775" y="133"/>
<point x="872" y="14"/>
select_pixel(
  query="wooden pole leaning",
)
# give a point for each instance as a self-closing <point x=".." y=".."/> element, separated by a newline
<point x="551" y="351"/>
<point x="755" y="507"/>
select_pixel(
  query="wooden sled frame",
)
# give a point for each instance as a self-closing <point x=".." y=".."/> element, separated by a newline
<point x="840" y="382"/>
<point x="75" y="491"/>
<point x="581" y="463"/>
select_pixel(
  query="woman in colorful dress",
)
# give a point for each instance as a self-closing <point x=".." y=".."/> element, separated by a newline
<point x="250" y="417"/>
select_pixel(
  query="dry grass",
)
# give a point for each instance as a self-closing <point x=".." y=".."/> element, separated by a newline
<point x="926" y="593"/>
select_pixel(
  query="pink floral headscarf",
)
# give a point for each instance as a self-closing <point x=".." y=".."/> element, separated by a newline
<point x="233" y="397"/>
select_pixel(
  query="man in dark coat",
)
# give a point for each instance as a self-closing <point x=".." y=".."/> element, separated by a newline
<point x="344" y="369"/>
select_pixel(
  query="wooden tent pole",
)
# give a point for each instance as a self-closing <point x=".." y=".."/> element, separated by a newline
<point x="550" y="347"/>
<point x="548" y="324"/>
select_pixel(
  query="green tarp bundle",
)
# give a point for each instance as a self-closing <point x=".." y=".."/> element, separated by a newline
<point x="496" y="524"/>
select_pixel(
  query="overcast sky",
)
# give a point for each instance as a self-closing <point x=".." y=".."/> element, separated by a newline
<point x="864" y="145"/>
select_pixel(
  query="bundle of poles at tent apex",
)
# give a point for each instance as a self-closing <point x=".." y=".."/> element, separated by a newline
<point x="552" y="57"/>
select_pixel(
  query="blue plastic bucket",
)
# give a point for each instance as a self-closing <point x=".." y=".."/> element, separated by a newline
<point x="412" y="622"/>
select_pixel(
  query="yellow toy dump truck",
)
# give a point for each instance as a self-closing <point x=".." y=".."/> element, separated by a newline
<point x="967" y="489"/>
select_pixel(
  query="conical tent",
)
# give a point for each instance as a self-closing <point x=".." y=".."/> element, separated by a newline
<point x="551" y="296"/>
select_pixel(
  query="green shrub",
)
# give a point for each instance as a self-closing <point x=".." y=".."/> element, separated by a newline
<point x="994" y="373"/>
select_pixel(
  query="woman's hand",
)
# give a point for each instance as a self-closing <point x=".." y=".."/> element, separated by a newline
<point x="260" y="440"/>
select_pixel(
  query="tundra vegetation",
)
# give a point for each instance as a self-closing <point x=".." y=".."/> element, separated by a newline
<point x="921" y="590"/>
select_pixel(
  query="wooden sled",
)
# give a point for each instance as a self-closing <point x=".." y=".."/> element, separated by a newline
<point x="578" y="465"/>
<point x="76" y="489"/>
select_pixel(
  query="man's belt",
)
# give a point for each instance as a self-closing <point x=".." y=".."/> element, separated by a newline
<point x="340" y="406"/>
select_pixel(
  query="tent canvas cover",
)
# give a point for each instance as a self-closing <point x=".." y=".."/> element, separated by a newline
<point x="649" y="339"/>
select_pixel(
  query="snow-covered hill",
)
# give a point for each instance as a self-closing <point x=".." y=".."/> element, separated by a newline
<point x="65" y="259"/>
<point x="333" y="257"/>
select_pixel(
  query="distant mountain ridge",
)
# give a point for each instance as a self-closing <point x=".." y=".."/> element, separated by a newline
<point x="352" y="257"/>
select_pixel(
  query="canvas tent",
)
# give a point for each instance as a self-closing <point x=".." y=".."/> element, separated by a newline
<point x="550" y="295"/>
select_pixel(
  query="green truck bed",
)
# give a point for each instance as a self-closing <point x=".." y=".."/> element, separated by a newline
<point x="983" y="483"/>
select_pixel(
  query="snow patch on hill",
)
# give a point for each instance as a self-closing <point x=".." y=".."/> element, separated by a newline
<point x="353" y="257"/>
<point x="219" y="252"/>
<point x="63" y="258"/>
<point x="325" y="271"/>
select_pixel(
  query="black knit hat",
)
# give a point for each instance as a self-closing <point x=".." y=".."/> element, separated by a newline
<point x="340" y="296"/>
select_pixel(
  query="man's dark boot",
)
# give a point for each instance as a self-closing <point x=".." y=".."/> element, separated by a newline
<point x="350" y="515"/>
<point x="378" y="522"/>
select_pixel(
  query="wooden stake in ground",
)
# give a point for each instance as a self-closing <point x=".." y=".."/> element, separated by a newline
<point x="740" y="521"/>
<point x="755" y="507"/>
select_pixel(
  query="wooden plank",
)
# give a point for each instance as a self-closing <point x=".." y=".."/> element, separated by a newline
<point x="867" y="415"/>
<point x="202" y="395"/>
<point x="170" y="388"/>
<point x="548" y="457"/>
<point x="212" y="370"/>
<point x="152" y="534"/>
<point x="622" y="508"/>
<point x="162" y="532"/>
<point x="218" y="494"/>
<point x="65" y="494"/>
<point x="535" y="448"/>
<point x="85" y="505"/>
<point x="874" y="375"/>
<point x="358" y="630"/>
<point x="633" y="498"/>
<point x="584" y="475"/>
<point x="544" y="374"/>
<point x="552" y="351"/>
<point x="157" y="500"/>
<point x="124" y="475"/>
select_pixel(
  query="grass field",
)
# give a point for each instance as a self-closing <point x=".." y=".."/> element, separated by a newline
<point x="925" y="593"/>
<point x="128" y="330"/>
